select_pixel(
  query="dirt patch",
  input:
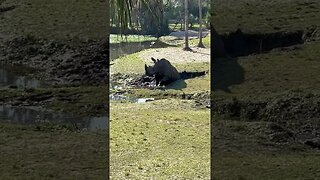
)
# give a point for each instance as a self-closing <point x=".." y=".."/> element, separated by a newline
<point x="178" y="55"/>
<point x="191" y="34"/>
<point x="288" y="107"/>
<point x="295" y="115"/>
<point x="59" y="63"/>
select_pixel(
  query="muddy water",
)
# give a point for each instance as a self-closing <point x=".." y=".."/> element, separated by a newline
<point x="10" y="79"/>
<point x="122" y="97"/>
<point x="36" y="115"/>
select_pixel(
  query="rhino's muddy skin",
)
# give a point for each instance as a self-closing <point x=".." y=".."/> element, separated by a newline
<point x="163" y="71"/>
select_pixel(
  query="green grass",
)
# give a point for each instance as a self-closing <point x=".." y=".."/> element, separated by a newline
<point x="38" y="152"/>
<point x="173" y="27"/>
<point x="274" y="72"/>
<point x="243" y="151"/>
<point x="192" y="42"/>
<point x="130" y="38"/>
<point x="163" y="139"/>
<point x="57" y="19"/>
<point x="206" y="42"/>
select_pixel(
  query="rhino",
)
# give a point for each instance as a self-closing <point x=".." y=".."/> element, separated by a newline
<point x="163" y="71"/>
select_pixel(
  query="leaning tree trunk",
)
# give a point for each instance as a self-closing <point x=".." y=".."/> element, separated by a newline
<point x="200" y="25"/>
<point x="186" y="22"/>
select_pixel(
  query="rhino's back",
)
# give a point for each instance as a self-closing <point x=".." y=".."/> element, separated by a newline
<point x="164" y="68"/>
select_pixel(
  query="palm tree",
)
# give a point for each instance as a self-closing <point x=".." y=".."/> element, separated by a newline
<point x="200" y="25"/>
<point x="186" y="25"/>
<point x="121" y="12"/>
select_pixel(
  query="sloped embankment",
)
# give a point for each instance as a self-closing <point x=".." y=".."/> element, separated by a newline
<point x="60" y="63"/>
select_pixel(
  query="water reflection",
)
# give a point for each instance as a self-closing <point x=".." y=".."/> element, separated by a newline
<point x="34" y="115"/>
<point x="10" y="79"/>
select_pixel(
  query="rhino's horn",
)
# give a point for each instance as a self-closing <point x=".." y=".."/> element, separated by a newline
<point x="154" y="60"/>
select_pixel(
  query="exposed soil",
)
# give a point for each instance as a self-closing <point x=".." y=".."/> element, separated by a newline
<point x="293" y="106"/>
<point x="178" y="55"/>
<point x="294" y="114"/>
<point x="59" y="63"/>
<point x="242" y="44"/>
<point x="191" y="34"/>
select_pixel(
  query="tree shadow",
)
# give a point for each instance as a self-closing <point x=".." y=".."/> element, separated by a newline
<point x="181" y="84"/>
<point x="225" y="73"/>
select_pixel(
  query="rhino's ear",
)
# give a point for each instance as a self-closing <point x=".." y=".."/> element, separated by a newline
<point x="153" y="60"/>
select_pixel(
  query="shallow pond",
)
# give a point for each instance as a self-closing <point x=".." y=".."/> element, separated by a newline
<point x="123" y="97"/>
<point x="36" y="115"/>
<point x="9" y="79"/>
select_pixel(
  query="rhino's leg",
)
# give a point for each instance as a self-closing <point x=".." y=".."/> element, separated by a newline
<point x="164" y="81"/>
<point x="157" y="79"/>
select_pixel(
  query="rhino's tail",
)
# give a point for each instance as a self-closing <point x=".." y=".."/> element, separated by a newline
<point x="189" y="75"/>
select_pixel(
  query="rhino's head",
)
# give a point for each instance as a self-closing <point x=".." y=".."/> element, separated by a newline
<point x="150" y="70"/>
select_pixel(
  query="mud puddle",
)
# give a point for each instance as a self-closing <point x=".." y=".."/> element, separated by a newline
<point x="150" y="82"/>
<point x="243" y="44"/>
<point x="36" y="115"/>
<point x="123" y="97"/>
<point x="11" y="80"/>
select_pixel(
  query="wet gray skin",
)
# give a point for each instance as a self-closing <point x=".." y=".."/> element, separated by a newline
<point x="36" y="115"/>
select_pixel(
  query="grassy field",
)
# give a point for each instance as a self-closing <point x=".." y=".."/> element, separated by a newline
<point x="252" y="148"/>
<point x="164" y="139"/>
<point x="158" y="140"/>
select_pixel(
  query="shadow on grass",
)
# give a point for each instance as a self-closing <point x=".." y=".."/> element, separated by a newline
<point x="181" y="84"/>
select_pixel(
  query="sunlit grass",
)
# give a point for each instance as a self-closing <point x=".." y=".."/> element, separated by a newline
<point x="164" y="139"/>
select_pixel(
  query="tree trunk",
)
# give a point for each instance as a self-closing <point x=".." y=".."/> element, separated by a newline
<point x="186" y="23"/>
<point x="200" y="25"/>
